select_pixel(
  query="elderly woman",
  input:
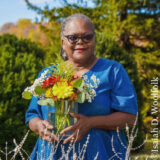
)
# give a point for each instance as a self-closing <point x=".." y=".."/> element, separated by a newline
<point x="115" y="104"/>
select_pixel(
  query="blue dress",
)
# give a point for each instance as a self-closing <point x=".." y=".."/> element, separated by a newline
<point x="115" y="92"/>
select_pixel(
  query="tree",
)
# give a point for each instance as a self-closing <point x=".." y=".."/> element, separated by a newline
<point x="24" y="28"/>
<point x="20" y="62"/>
<point x="126" y="20"/>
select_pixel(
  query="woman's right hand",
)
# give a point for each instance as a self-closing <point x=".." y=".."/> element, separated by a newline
<point x="42" y="127"/>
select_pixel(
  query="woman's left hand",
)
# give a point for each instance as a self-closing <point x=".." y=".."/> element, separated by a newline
<point x="81" y="127"/>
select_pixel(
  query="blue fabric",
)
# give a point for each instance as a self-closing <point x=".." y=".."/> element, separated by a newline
<point x="114" y="93"/>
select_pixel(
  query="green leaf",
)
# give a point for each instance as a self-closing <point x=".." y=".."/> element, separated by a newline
<point x="80" y="89"/>
<point x="77" y="83"/>
<point x="26" y="95"/>
<point x="39" y="90"/>
<point x="81" y="97"/>
<point x="46" y="102"/>
<point x="42" y="102"/>
<point x="50" y="102"/>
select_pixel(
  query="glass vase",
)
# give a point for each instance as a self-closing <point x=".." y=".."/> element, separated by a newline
<point x="60" y="117"/>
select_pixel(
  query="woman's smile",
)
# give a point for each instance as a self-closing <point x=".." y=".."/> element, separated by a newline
<point x="80" y="50"/>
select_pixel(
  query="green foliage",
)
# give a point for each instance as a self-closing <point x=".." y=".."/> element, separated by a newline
<point x="48" y="101"/>
<point x="77" y="83"/>
<point x="27" y="95"/>
<point x="24" y="22"/>
<point x="81" y="97"/>
<point x="148" y="64"/>
<point x="39" y="90"/>
<point x="125" y="20"/>
<point x="64" y="69"/>
<point x="20" y="63"/>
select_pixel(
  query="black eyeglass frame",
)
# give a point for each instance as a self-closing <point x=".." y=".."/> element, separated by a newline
<point x="82" y="37"/>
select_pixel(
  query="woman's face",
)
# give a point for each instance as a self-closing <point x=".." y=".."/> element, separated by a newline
<point x="81" y="50"/>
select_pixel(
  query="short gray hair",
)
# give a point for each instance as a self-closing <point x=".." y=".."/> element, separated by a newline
<point x="76" y="16"/>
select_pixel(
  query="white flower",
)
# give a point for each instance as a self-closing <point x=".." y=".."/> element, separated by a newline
<point x="95" y="81"/>
<point x="91" y="86"/>
<point x="93" y="92"/>
<point x="93" y="77"/>
<point x="88" y="97"/>
<point x="37" y="82"/>
<point x="85" y="78"/>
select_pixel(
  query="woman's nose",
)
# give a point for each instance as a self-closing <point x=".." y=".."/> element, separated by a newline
<point x="80" y="41"/>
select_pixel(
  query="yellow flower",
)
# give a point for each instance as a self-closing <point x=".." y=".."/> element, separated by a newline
<point x="63" y="80"/>
<point x="62" y="90"/>
<point x="49" y="93"/>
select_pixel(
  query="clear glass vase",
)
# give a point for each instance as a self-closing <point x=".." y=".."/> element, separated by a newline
<point x="60" y="117"/>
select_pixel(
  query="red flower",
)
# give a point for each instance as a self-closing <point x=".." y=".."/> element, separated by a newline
<point x="45" y="83"/>
<point x="69" y="83"/>
<point x="74" y="77"/>
<point x="52" y="80"/>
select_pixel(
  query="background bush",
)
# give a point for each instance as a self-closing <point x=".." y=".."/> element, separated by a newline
<point x="20" y="62"/>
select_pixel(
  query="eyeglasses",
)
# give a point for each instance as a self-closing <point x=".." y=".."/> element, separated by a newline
<point x="73" y="39"/>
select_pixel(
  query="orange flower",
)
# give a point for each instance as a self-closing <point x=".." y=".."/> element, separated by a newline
<point x="54" y="98"/>
<point x="73" y="97"/>
<point x="69" y="83"/>
<point x="58" y="78"/>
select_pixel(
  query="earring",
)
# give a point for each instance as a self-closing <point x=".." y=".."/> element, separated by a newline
<point x="63" y="54"/>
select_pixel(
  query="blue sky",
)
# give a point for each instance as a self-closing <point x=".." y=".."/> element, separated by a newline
<point x="12" y="10"/>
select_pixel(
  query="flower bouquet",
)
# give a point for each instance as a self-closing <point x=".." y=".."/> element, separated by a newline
<point x="59" y="87"/>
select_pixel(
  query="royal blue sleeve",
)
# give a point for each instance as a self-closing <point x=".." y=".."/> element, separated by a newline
<point x="123" y="95"/>
<point x="34" y="110"/>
